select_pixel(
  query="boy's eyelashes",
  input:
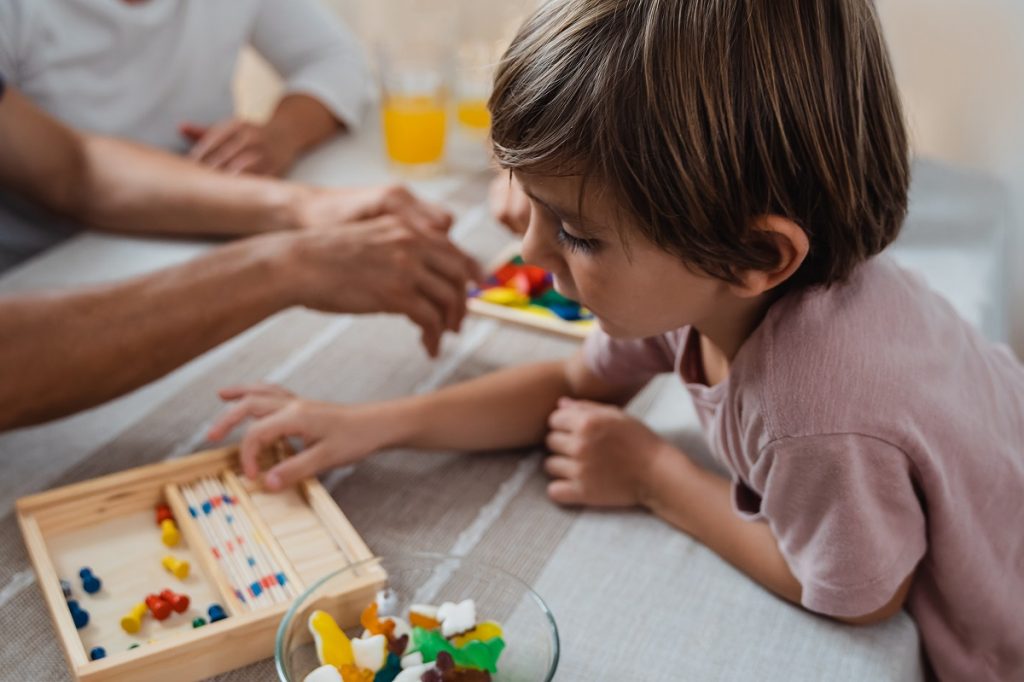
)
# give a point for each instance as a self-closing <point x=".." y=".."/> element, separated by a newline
<point x="573" y="243"/>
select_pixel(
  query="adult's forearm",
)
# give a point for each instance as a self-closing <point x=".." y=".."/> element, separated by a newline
<point x="133" y="189"/>
<point x="63" y="352"/>
<point x="301" y="122"/>
<point x="699" y="502"/>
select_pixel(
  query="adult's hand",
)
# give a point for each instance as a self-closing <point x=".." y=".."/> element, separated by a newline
<point x="239" y="146"/>
<point x="328" y="208"/>
<point x="379" y="265"/>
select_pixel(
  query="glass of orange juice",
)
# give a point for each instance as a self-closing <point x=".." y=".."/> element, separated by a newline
<point x="413" y="113"/>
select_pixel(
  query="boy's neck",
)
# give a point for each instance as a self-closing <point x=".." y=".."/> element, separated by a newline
<point x="730" y="328"/>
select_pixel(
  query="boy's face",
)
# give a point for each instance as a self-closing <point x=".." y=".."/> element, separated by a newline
<point x="633" y="294"/>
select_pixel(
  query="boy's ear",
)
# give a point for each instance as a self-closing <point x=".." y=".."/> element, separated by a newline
<point x="792" y="245"/>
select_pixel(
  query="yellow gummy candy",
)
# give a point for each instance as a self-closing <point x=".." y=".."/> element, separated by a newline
<point x="333" y="647"/>
<point x="483" y="632"/>
<point x="504" y="296"/>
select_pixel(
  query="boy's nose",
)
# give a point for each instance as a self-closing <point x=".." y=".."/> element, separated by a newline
<point x="538" y="251"/>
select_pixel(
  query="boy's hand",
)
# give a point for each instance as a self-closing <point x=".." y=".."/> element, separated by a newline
<point x="332" y="435"/>
<point x="600" y="456"/>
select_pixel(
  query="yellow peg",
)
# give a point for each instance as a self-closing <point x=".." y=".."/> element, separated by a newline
<point x="169" y="532"/>
<point x="176" y="567"/>
<point x="133" y="621"/>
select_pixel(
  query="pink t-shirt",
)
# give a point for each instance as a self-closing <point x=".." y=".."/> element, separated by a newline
<point x="877" y="434"/>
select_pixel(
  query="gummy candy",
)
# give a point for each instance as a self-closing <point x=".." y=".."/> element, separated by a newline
<point x="476" y="654"/>
<point x="483" y="632"/>
<point x="370" y="653"/>
<point x="390" y="671"/>
<point x="352" y="673"/>
<point x="332" y="644"/>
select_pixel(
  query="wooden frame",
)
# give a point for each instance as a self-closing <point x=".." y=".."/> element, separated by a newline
<point x="328" y="542"/>
<point x="523" y="318"/>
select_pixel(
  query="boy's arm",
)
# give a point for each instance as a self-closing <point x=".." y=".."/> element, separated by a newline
<point x="699" y="502"/>
<point x="502" y="410"/>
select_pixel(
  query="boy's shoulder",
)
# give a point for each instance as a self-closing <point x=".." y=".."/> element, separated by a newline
<point x="846" y="358"/>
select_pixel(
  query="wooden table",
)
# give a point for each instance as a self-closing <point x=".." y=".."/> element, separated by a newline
<point x="634" y="599"/>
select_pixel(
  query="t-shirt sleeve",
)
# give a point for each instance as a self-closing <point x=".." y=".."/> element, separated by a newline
<point x="627" y="362"/>
<point x="846" y="515"/>
<point x="315" y="54"/>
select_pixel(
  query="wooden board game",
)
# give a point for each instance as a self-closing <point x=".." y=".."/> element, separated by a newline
<point x="524" y="307"/>
<point x="108" y="525"/>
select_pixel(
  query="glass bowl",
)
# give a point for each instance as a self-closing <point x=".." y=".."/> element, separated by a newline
<point x="530" y="634"/>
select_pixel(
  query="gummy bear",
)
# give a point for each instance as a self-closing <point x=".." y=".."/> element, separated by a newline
<point x="476" y="654"/>
<point x="418" y="620"/>
<point x="482" y="632"/>
<point x="332" y="645"/>
<point x="376" y="626"/>
<point x="350" y="673"/>
<point x="390" y="671"/>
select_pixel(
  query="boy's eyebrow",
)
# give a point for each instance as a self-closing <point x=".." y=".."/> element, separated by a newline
<point x="567" y="215"/>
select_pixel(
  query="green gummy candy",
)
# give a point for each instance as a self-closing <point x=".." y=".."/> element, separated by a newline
<point x="517" y="260"/>
<point x="476" y="654"/>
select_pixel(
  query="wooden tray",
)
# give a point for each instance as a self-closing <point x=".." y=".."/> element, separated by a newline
<point x="560" y="327"/>
<point x="109" y="525"/>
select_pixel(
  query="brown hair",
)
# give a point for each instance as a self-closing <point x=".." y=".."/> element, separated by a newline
<point x="701" y="115"/>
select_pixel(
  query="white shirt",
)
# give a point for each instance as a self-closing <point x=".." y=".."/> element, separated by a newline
<point x="140" y="70"/>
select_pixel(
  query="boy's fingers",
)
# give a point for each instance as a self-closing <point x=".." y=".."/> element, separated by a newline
<point x="560" y="466"/>
<point x="305" y="464"/>
<point x="262" y="434"/>
<point x="252" y="405"/>
<point x="561" y="442"/>
<point x="565" y="492"/>
<point x="565" y="418"/>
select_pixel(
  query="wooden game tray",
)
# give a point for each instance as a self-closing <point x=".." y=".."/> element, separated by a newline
<point x="523" y="318"/>
<point x="108" y="524"/>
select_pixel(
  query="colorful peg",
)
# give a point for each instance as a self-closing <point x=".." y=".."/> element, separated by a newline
<point x="160" y="608"/>
<point x="198" y="622"/>
<point x="169" y="532"/>
<point x="132" y="622"/>
<point x="163" y="513"/>
<point x="216" y="612"/>
<point x="177" y="567"/>
<point x="79" y="615"/>
<point x="90" y="583"/>
<point x="97" y="652"/>
<point x="178" y="602"/>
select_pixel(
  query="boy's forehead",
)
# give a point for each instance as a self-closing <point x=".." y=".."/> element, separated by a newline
<point x="569" y="196"/>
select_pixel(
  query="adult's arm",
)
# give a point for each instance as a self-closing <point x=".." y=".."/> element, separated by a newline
<point x="120" y="186"/>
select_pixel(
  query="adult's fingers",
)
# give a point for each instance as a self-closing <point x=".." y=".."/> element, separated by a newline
<point x="213" y="139"/>
<point x="246" y="162"/>
<point x="451" y="301"/>
<point x="305" y="464"/>
<point x="448" y="260"/>
<point x="428" y="317"/>
<point x="250" y="406"/>
<point x="238" y="144"/>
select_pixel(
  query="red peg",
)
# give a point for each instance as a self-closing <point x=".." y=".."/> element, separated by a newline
<point x="163" y="512"/>
<point x="178" y="602"/>
<point x="159" y="608"/>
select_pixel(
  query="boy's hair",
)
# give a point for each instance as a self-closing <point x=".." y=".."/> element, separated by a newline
<point x="701" y="115"/>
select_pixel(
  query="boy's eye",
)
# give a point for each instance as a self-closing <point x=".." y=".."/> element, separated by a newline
<point x="575" y="244"/>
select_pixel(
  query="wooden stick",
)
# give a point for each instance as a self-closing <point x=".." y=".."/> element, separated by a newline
<point x="204" y="554"/>
<point x="291" y="575"/>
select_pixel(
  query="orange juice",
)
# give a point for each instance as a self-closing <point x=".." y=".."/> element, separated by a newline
<point x="473" y="113"/>
<point x="414" y="128"/>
